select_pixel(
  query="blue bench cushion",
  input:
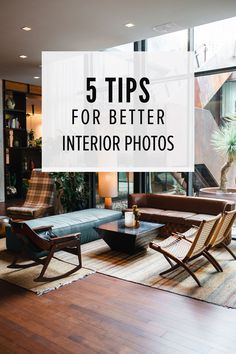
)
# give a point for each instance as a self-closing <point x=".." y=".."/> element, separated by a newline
<point x="82" y="221"/>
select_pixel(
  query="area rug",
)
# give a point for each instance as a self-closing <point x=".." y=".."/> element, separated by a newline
<point x="24" y="277"/>
<point x="144" y="268"/>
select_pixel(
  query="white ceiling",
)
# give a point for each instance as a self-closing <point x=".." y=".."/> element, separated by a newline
<point x="89" y="25"/>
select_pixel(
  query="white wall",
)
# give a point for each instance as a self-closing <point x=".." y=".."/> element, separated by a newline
<point x="2" y="193"/>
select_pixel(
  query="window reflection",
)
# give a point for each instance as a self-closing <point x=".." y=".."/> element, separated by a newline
<point x="215" y="99"/>
<point x="215" y="45"/>
<point x="169" y="42"/>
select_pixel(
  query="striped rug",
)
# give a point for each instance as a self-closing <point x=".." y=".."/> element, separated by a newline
<point x="145" y="266"/>
<point x="25" y="277"/>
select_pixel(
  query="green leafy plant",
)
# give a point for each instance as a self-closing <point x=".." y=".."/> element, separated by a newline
<point x="72" y="190"/>
<point x="224" y="141"/>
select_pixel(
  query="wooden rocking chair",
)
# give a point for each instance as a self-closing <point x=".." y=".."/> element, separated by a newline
<point x="176" y="248"/>
<point x="40" y="244"/>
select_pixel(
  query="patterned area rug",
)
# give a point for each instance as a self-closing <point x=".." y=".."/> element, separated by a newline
<point x="24" y="277"/>
<point x="144" y="268"/>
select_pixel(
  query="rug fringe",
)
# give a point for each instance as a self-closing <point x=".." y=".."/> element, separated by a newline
<point x="45" y="291"/>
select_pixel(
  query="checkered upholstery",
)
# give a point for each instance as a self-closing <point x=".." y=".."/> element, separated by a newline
<point x="39" y="198"/>
<point x="40" y="190"/>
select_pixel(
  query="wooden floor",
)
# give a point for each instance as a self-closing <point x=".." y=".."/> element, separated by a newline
<point x="101" y="314"/>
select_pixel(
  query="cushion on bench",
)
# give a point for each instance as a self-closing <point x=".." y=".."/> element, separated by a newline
<point x="82" y="221"/>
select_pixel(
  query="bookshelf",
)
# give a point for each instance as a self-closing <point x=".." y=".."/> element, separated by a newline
<point x="20" y="155"/>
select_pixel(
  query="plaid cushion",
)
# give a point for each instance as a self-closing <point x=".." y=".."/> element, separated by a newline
<point x="22" y="210"/>
<point x="40" y="190"/>
<point x="28" y="213"/>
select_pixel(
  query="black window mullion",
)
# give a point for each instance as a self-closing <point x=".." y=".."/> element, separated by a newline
<point x="190" y="47"/>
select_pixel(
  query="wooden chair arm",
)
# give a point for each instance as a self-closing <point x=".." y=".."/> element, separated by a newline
<point x="65" y="238"/>
<point x="42" y="228"/>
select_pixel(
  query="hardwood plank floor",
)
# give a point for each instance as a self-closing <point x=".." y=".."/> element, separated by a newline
<point x="101" y="314"/>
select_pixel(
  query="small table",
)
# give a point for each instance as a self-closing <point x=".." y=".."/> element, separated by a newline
<point x="128" y="239"/>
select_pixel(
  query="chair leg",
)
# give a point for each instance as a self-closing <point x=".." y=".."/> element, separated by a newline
<point x="171" y="269"/>
<point x="14" y="262"/>
<point x="213" y="261"/>
<point x="47" y="261"/>
<point x="191" y="273"/>
<point x="229" y="250"/>
<point x="15" y="265"/>
<point x="79" y="255"/>
<point x="169" y="261"/>
<point x="41" y="276"/>
<point x="182" y="264"/>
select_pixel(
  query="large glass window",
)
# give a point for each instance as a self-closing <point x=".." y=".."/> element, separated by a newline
<point x="169" y="42"/>
<point x="215" y="45"/>
<point x="125" y="180"/>
<point x="128" y="47"/>
<point x="161" y="182"/>
<point x="215" y="99"/>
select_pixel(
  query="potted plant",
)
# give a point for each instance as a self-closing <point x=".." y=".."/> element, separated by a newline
<point x="224" y="141"/>
<point x="137" y="214"/>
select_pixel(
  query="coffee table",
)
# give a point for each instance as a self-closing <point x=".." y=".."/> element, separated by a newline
<point x="128" y="239"/>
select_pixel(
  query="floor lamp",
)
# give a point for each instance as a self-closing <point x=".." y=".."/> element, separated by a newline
<point x="107" y="187"/>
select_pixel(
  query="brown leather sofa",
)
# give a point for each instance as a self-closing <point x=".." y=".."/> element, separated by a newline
<point x="178" y="213"/>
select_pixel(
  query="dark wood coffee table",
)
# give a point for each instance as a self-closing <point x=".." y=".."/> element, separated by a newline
<point x="128" y="239"/>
